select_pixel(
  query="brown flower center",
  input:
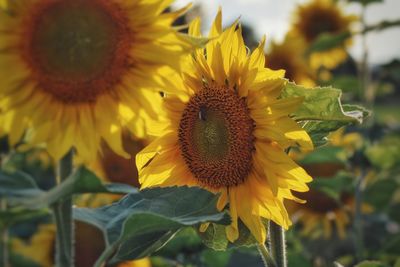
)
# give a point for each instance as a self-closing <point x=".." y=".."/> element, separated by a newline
<point x="76" y="49"/>
<point x="215" y="137"/>
<point x="321" y="20"/>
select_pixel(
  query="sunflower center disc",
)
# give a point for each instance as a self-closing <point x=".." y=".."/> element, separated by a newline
<point x="77" y="49"/>
<point x="215" y="136"/>
<point x="328" y="22"/>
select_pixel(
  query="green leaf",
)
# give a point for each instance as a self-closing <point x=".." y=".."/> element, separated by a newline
<point x="322" y="111"/>
<point x="16" y="185"/>
<point x="245" y="257"/>
<point x="143" y="222"/>
<point x="366" y="2"/>
<point x="325" y="154"/>
<point x="380" y="193"/>
<point x="334" y="186"/>
<point x="327" y="41"/>
<point x="386" y="153"/>
<point x="187" y="240"/>
<point x="371" y="264"/>
<point x="213" y="258"/>
<point x="14" y="216"/>
<point x="215" y="237"/>
<point x="81" y="181"/>
<point x="297" y="259"/>
<point x="347" y="83"/>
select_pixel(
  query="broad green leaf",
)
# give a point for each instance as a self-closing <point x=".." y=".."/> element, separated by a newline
<point x="327" y="41"/>
<point x="186" y="240"/>
<point x="371" y="264"/>
<point x="322" y="111"/>
<point x="81" y="181"/>
<point x="142" y="222"/>
<point x="16" y="185"/>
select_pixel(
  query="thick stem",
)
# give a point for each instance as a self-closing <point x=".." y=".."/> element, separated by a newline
<point x="63" y="218"/>
<point x="266" y="256"/>
<point x="277" y="244"/>
<point x="4" y="256"/>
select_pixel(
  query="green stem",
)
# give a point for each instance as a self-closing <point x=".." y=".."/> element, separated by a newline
<point x="367" y="91"/>
<point x="277" y="244"/>
<point x="63" y="218"/>
<point x="266" y="256"/>
<point x="4" y="256"/>
<point x="358" y="223"/>
<point x="107" y="253"/>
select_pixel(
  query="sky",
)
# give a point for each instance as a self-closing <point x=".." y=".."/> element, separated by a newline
<point x="273" y="17"/>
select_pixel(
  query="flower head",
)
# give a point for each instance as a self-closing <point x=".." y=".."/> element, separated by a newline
<point x="75" y="72"/>
<point x="317" y="17"/>
<point x="290" y="56"/>
<point x="226" y="130"/>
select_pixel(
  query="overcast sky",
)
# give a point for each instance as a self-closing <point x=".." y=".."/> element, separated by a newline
<point x="272" y="17"/>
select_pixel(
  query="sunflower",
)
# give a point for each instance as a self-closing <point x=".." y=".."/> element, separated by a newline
<point x="112" y="167"/>
<point x="40" y="247"/>
<point x="290" y="56"/>
<point x="226" y="131"/>
<point x="89" y="245"/>
<point x="73" y="72"/>
<point x="317" y="17"/>
<point x="322" y="213"/>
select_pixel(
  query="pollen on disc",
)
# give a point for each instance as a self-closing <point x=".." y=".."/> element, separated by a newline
<point x="216" y="137"/>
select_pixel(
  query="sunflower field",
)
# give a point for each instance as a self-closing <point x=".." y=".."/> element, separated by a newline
<point x="162" y="133"/>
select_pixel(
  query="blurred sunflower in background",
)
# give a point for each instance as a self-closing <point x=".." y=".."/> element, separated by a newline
<point x="112" y="167"/>
<point x="318" y="17"/>
<point x="75" y="72"/>
<point x="325" y="213"/>
<point x="321" y="212"/>
<point x="290" y="56"/>
<point x="40" y="248"/>
<point x="227" y="132"/>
